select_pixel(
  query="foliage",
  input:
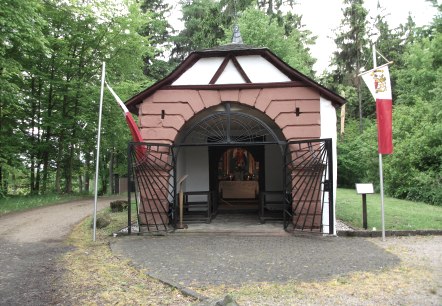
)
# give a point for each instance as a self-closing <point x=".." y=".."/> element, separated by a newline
<point x="203" y="23"/>
<point x="351" y="42"/>
<point x="357" y="155"/>
<point x="19" y="41"/>
<point x="209" y="23"/>
<point x="20" y="203"/>
<point x="159" y="32"/>
<point x="414" y="170"/>
<point x="259" y="29"/>
<point x="49" y="118"/>
<point x="351" y="54"/>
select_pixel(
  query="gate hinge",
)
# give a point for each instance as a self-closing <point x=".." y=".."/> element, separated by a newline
<point x="327" y="185"/>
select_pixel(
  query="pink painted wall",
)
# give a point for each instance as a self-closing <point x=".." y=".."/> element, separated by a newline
<point x="278" y="103"/>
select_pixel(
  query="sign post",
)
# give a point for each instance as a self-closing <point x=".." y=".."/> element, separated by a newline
<point x="364" y="189"/>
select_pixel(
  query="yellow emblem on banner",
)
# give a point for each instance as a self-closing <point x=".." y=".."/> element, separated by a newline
<point x="380" y="81"/>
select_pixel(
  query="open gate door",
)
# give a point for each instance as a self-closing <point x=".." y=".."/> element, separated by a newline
<point x="151" y="171"/>
<point x="308" y="181"/>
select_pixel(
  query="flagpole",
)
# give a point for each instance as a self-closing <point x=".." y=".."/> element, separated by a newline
<point x="381" y="171"/>
<point x="98" y="147"/>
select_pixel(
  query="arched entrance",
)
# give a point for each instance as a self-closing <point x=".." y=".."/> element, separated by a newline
<point x="229" y="124"/>
<point x="292" y="178"/>
<point x="230" y="151"/>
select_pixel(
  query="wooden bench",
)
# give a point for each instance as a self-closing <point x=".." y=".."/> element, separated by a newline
<point x="197" y="206"/>
<point x="271" y="205"/>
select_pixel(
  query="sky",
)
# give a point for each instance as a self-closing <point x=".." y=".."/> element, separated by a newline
<point x="323" y="16"/>
<point x="330" y="16"/>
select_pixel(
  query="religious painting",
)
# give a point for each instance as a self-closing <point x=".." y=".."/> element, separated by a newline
<point x="237" y="164"/>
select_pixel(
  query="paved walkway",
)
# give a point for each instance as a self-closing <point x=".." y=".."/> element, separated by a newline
<point x="218" y="257"/>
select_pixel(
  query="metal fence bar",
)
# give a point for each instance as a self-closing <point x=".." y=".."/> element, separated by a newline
<point x="308" y="175"/>
<point x="153" y="168"/>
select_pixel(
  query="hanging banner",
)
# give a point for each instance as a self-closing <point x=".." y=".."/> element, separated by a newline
<point x="378" y="82"/>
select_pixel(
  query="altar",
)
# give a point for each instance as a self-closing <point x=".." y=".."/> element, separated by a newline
<point x="238" y="189"/>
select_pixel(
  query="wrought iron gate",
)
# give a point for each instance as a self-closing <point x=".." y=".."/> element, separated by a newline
<point x="151" y="174"/>
<point x="308" y="183"/>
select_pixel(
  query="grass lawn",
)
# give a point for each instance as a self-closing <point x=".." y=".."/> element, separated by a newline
<point x="20" y="203"/>
<point x="399" y="214"/>
<point x="94" y="276"/>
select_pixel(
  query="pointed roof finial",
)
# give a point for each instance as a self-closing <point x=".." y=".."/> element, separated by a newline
<point x="236" y="38"/>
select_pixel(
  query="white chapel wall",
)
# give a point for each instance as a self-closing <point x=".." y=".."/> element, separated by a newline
<point x="196" y="166"/>
<point x="329" y="130"/>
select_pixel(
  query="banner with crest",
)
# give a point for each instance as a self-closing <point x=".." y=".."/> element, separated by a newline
<point x="378" y="82"/>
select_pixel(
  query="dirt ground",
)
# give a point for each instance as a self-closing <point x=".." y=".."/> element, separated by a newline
<point x="31" y="242"/>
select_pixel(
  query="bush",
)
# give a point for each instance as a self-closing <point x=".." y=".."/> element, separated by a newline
<point x="117" y="206"/>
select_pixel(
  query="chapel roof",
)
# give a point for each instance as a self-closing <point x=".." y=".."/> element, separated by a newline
<point x="247" y="76"/>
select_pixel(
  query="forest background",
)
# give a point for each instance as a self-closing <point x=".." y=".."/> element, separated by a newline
<point x="50" y="60"/>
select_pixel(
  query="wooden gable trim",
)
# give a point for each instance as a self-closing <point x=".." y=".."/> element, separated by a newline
<point x="241" y="71"/>
<point x="220" y="70"/>
<point x="223" y="65"/>
<point x="297" y="76"/>
<point x="291" y="73"/>
<point x="236" y="86"/>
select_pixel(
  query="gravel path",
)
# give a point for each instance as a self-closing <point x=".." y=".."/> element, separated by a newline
<point x="201" y="260"/>
<point x="31" y="242"/>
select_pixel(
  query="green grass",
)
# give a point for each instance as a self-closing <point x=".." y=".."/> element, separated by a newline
<point x="20" y="203"/>
<point x="399" y="214"/>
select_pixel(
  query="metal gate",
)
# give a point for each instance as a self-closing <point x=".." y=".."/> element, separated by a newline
<point x="308" y="185"/>
<point x="151" y="175"/>
<point x="308" y="181"/>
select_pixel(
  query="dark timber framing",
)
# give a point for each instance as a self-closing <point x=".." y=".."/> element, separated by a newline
<point x="230" y="52"/>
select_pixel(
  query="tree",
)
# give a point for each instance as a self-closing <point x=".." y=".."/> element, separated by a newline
<point x="352" y="52"/>
<point x="159" y="31"/>
<point x="258" y="29"/>
<point x="203" y="28"/>
<point x="54" y="87"/>
<point x="209" y="23"/>
<point x="415" y="168"/>
<point x="21" y="36"/>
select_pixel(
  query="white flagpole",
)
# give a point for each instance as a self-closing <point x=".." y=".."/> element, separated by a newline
<point x="381" y="171"/>
<point x="98" y="147"/>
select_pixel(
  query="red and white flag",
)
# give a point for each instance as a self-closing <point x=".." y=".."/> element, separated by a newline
<point x="378" y="82"/>
<point x="136" y="135"/>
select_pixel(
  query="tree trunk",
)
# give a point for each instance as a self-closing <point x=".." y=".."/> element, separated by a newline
<point x="103" y="175"/>
<point x="32" y="149"/>
<point x="59" y="165"/>
<point x="80" y="182"/>
<point x="48" y="133"/>
<point x="2" y="192"/>
<point x="87" y="161"/>
<point x="111" y="172"/>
